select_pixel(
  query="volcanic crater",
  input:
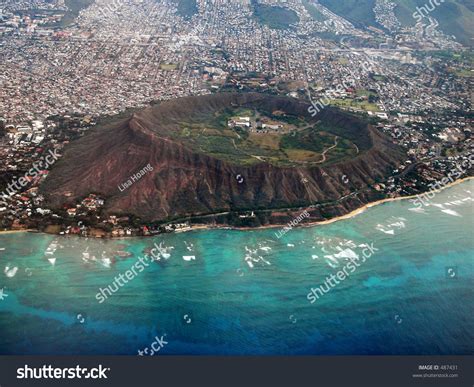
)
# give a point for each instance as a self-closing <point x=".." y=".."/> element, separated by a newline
<point x="224" y="153"/>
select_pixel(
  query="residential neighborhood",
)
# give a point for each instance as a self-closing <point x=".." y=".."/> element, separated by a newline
<point x="59" y="81"/>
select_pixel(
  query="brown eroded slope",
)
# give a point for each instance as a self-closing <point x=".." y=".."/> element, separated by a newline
<point x="185" y="182"/>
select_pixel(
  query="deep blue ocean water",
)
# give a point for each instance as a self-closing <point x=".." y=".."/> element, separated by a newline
<point x="413" y="295"/>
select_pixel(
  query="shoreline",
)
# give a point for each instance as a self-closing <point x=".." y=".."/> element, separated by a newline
<point x="362" y="209"/>
<point x="349" y="215"/>
<point x="389" y="200"/>
<point x="17" y="231"/>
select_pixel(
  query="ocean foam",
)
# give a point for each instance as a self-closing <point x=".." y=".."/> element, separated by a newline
<point x="451" y="212"/>
<point x="10" y="272"/>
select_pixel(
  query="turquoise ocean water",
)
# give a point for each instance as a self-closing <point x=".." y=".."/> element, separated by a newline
<point x="245" y="292"/>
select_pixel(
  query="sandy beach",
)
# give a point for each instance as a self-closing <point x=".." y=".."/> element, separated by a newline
<point x="373" y="204"/>
<point x="349" y="215"/>
<point x="16" y="231"/>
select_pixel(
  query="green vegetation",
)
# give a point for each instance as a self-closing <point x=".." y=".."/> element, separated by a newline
<point x="187" y="8"/>
<point x="295" y="142"/>
<point x="460" y="63"/>
<point x="351" y="103"/>
<point x="366" y="93"/>
<point x="74" y="7"/>
<point x="168" y="66"/>
<point x="454" y="16"/>
<point x="465" y="73"/>
<point x="380" y="78"/>
<point x="313" y="11"/>
<point x="358" y="12"/>
<point x="275" y="17"/>
<point x="328" y="35"/>
<point x="312" y="145"/>
<point x="466" y="57"/>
